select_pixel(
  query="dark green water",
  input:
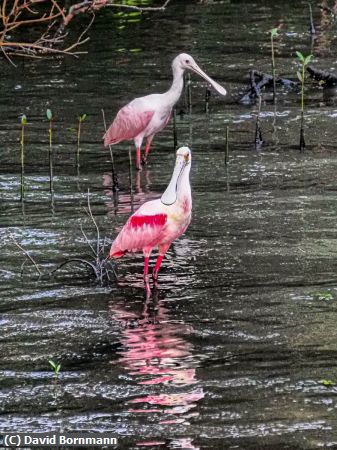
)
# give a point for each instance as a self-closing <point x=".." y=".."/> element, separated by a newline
<point x="231" y="350"/>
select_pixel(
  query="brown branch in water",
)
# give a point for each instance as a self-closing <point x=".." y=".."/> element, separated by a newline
<point x="22" y="14"/>
<point x="328" y="78"/>
<point x="53" y="19"/>
<point x="260" y="80"/>
<point x="12" y="238"/>
<point x="38" y="49"/>
<point x="83" y="261"/>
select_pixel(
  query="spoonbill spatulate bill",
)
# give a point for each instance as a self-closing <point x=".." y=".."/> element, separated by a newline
<point x="143" y="117"/>
<point x="158" y="223"/>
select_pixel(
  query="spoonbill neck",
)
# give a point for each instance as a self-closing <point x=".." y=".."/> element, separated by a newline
<point x="184" y="187"/>
<point x="179" y="188"/>
<point x="174" y="93"/>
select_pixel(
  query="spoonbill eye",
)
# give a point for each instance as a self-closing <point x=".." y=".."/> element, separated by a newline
<point x="187" y="61"/>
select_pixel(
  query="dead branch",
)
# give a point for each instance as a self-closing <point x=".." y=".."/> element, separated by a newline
<point x="260" y="80"/>
<point x="52" y="19"/>
<point x="324" y="76"/>
<point x="100" y="266"/>
<point x="27" y="255"/>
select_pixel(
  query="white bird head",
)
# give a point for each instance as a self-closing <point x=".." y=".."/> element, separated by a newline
<point x="184" y="156"/>
<point x="186" y="62"/>
<point x="181" y="168"/>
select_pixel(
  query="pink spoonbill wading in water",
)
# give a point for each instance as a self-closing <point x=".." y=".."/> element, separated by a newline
<point x="158" y="223"/>
<point x="143" y="117"/>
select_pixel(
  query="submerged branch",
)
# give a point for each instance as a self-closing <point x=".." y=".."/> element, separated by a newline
<point x="260" y="80"/>
<point x="328" y="78"/>
<point x="83" y="261"/>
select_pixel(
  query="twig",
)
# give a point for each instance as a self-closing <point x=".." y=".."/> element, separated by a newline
<point x="24" y="252"/>
<point x="54" y="18"/>
<point x="83" y="261"/>
<point x="87" y="241"/>
<point x="94" y="222"/>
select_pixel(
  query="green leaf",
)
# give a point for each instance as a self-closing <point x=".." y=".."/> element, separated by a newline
<point x="300" y="57"/>
<point x="23" y="119"/>
<point x="307" y="59"/>
<point x="58" y="367"/>
<point x="83" y="117"/>
<point x="73" y="130"/>
<point x="49" y="114"/>
<point x="328" y="383"/>
<point x="323" y="296"/>
<point x="52" y="364"/>
<point x="299" y="76"/>
<point x="274" y="32"/>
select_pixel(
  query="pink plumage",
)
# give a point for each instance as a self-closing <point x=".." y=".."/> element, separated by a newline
<point x="158" y="223"/>
<point x="145" y="116"/>
<point x="128" y="123"/>
<point x="139" y="232"/>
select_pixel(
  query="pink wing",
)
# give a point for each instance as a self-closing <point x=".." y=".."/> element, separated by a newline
<point x="139" y="232"/>
<point x="127" y="125"/>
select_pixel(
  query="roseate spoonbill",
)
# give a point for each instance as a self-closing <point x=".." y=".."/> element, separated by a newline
<point x="143" y="117"/>
<point x="158" y="223"/>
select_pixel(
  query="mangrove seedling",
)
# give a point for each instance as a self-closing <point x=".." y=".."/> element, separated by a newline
<point x="207" y="99"/>
<point x="22" y="144"/>
<point x="311" y="25"/>
<point x="49" y="115"/>
<point x="227" y="146"/>
<point x="304" y="61"/>
<point x="258" y="131"/>
<point x="81" y="119"/>
<point x="55" y="367"/>
<point x="273" y="35"/>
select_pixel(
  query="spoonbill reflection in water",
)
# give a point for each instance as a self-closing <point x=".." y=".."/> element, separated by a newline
<point x="145" y="116"/>
<point x="158" y="223"/>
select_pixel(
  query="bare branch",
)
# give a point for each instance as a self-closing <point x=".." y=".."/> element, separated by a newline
<point x="51" y="19"/>
<point x="87" y="241"/>
<point x="94" y="222"/>
<point x="83" y="261"/>
<point x="12" y="238"/>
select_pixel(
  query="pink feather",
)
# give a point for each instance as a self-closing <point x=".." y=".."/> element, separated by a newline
<point x="127" y="125"/>
<point x="138" y="233"/>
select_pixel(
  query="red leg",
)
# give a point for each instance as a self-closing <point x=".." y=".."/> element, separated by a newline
<point x="147" y="254"/>
<point x="162" y="250"/>
<point x="146" y="266"/>
<point x="157" y="267"/>
<point x="147" y="149"/>
<point x="138" y="165"/>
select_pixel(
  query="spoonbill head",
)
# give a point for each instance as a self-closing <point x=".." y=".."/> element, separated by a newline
<point x="187" y="62"/>
<point x="158" y="223"/>
<point x="145" y="116"/>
